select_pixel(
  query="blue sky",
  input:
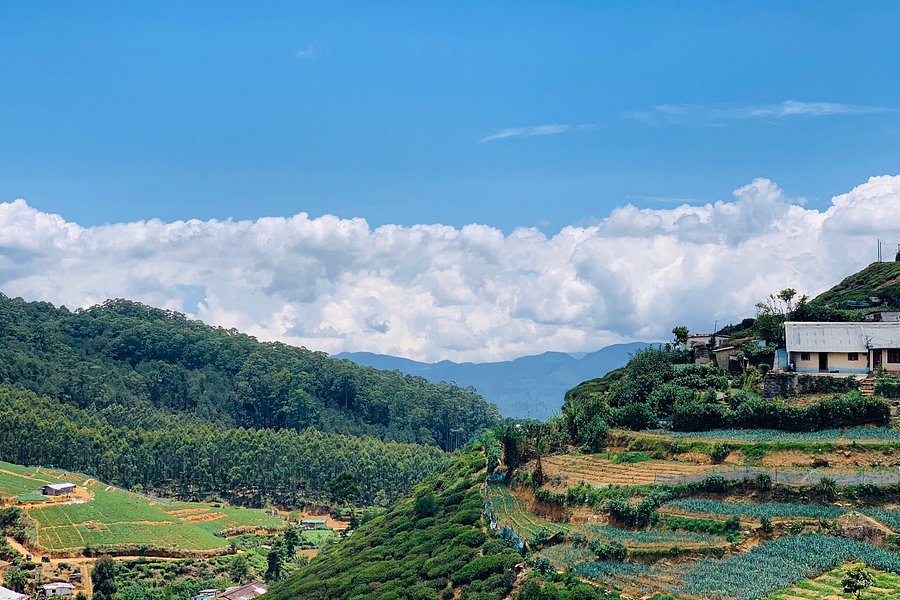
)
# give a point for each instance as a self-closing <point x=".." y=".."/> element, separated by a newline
<point x="113" y="112"/>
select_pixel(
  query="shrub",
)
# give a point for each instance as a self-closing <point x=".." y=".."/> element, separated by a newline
<point x="720" y="453"/>
<point x="766" y="524"/>
<point x="608" y="550"/>
<point x="664" y="398"/>
<point x="635" y="416"/>
<point x="594" y="433"/>
<point x="699" y="416"/>
<point x="762" y="482"/>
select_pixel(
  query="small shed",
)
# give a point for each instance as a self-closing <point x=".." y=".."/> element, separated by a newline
<point x="58" y="589"/>
<point x="58" y="489"/>
<point x="314" y="524"/>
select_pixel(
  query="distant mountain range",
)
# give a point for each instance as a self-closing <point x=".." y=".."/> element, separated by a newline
<point x="527" y="387"/>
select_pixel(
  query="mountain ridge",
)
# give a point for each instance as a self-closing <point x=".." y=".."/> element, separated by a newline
<point x="525" y="387"/>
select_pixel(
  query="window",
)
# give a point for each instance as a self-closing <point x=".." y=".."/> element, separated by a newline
<point x="853" y="356"/>
<point x="804" y="356"/>
<point x="894" y="356"/>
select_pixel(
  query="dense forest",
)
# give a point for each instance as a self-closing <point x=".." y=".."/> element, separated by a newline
<point x="144" y="397"/>
<point x="188" y="458"/>
<point x="125" y="353"/>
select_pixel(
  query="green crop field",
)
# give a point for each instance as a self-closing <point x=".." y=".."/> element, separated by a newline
<point x="16" y="480"/>
<point x="114" y="517"/>
<point x="511" y="512"/>
<point x="828" y="586"/>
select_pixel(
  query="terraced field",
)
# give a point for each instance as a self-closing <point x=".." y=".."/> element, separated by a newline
<point x="109" y="518"/>
<point x="594" y="470"/>
<point x="512" y="513"/>
<point x="828" y="587"/>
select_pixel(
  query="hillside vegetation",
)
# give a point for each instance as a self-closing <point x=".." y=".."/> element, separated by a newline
<point x="144" y="397"/>
<point x="878" y="280"/>
<point x="432" y="545"/>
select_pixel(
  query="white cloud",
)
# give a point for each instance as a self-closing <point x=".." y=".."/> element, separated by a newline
<point x="472" y="293"/>
<point x="513" y="132"/>
<point x="696" y="113"/>
<point x="306" y="53"/>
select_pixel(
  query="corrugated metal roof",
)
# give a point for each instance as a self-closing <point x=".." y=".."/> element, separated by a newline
<point x="8" y="594"/>
<point x="840" y="337"/>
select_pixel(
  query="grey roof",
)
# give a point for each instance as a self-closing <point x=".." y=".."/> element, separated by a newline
<point x="57" y="585"/>
<point x="245" y="592"/>
<point x="8" y="594"/>
<point x="840" y="337"/>
<point x="60" y="486"/>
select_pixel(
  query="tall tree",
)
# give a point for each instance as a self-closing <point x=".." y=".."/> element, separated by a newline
<point x="103" y="579"/>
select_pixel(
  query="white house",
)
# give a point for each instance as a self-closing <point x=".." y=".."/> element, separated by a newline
<point x="860" y="348"/>
<point x="58" y="589"/>
<point x="58" y="489"/>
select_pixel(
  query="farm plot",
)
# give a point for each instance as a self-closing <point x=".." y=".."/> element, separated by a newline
<point x="16" y="480"/>
<point x="764" y="570"/>
<point x="861" y="434"/>
<point x="828" y="586"/>
<point x="512" y="513"/>
<point x="749" y="510"/>
<point x="777" y="565"/>
<point x="595" y="470"/>
<point x="650" y="537"/>
<point x="219" y="519"/>
<point x="108" y="506"/>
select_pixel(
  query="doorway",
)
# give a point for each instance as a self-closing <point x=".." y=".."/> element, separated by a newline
<point x="876" y="360"/>
<point x="823" y="361"/>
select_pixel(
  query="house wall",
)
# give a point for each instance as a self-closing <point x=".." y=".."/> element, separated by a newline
<point x="889" y="367"/>
<point x="837" y="361"/>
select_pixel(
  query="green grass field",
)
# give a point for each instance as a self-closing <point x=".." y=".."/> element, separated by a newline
<point x="115" y="517"/>
<point x="828" y="586"/>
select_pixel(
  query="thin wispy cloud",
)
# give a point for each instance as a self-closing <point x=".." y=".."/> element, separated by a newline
<point x="514" y="132"/>
<point x="713" y="115"/>
<point x="306" y="53"/>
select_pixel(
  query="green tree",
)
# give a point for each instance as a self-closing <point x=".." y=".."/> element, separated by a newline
<point x="291" y="541"/>
<point x="239" y="569"/>
<point x="275" y="561"/>
<point x="343" y="489"/>
<point x="681" y="335"/>
<point x="103" y="579"/>
<point x="16" y="579"/>
<point x="856" y="579"/>
<point x="425" y="504"/>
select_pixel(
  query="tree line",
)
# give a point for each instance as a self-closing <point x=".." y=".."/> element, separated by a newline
<point x="123" y="353"/>
<point x="190" y="458"/>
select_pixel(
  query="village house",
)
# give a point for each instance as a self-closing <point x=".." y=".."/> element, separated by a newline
<point x="58" y="489"/>
<point x="58" y="589"/>
<point x="244" y="592"/>
<point x="853" y="348"/>
<point x="892" y="316"/>
<point x="314" y="524"/>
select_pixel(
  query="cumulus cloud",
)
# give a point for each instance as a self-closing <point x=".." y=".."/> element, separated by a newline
<point x="701" y="114"/>
<point x="435" y="292"/>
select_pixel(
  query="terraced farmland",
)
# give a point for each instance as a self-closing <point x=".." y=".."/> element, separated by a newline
<point x="113" y="519"/>
<point x="772" y="568"/>
<point x="512" y="513"/>
<point x="749" y="510"/>
<point x="594" y="470"/>
<point x="828" y="586"/>
<point x="861" y="434"/>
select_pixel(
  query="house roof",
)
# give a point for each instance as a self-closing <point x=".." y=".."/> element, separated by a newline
<point x="58" y="585"/>
<point x="245" y="592"/>
<point x="8" y="594"/>
<point x="60" y="486"/>
<point x="840" y="337"/>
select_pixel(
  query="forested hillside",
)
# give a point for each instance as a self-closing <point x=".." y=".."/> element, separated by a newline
<point x="433" y="545"/>
<point x="126" y="354"/>
<point x="186" y="457"/>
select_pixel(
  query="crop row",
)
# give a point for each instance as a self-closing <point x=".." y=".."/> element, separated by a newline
<point x="651" y="536"/>
<point x="777" y="565"/>
<point x="610" y="573"/>
<point x="511" y="512"/>
<point x="885" y="434"/>
<point x="756" y="511"/>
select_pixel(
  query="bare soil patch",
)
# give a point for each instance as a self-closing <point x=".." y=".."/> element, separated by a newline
<point x="203" y="518"/>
